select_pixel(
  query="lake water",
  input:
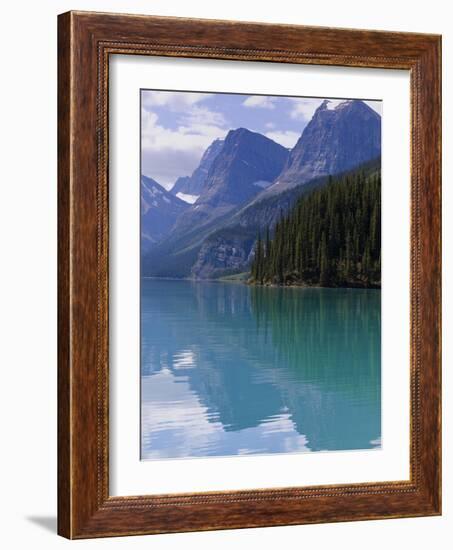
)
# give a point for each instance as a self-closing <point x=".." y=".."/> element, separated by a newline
<point x="229" y="369"/>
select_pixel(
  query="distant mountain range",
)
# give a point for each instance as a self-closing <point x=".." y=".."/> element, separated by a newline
<point x="159" y="211"/>
<point x="243" y="183"/>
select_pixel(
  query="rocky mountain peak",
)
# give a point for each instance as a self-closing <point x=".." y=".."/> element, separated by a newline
<point x="246" y="159"/>
<point x="337" y="138"/>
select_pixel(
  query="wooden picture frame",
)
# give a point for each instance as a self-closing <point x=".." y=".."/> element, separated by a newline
<point x="85" y="42"/>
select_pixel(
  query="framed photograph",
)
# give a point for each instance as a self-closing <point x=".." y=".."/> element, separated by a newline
<point x="249" y="275"/>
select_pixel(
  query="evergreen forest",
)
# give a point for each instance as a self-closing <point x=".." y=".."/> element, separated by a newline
<point x="331" y="238"/>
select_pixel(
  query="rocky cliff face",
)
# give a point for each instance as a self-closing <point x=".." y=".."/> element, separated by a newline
<point x="159" y="211"/>
<point x="239" y="172"/>
<point x="222" y="254"/>
<point x="246" y="162"/>
<point x="231" y="248"/>
<point x="335" y="140"/>
<point x="195" y="184"/>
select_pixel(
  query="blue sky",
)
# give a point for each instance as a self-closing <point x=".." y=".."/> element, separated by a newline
<point x="177" y="127"/>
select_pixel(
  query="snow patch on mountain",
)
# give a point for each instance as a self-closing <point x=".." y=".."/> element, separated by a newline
<point x="262" y="183"/>
<point x="190" y="199"/>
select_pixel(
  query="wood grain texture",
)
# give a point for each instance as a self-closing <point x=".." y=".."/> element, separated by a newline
<point x="85" y="42"/>
<point x="64" y="366"/>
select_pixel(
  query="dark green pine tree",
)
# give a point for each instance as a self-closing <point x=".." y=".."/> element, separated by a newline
<point x="332" y="237"/>
<point x="267" y="255"/>
<point x="259" y="263"/>
<point x="324" y="262"/>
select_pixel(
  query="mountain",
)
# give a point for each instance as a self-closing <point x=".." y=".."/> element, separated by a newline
<point x="229" y="247"/>
<point x="335" y="140"/>
<point x="194" y="184"/>
<point x="225" y="245"/>
<point x="159" y="211"/>
<point x="253" y="180"/>
<point x="247" y="163"/>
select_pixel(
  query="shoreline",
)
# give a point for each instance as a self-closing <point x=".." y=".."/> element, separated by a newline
<point x="245" y="283"/>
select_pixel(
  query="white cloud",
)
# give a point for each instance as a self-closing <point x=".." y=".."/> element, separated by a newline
<point x="175" y="101"/>
<point x="176" y="423"/>
<point x="376" y="106"/>
<point x="260" y="101"/>
<point x="285" y="138"/>
<point x="304" y="108"/>
<point x="201" y="117"/>
<point x="169" y="153"/>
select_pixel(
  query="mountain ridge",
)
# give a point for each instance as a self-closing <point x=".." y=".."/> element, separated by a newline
<point x="252" y="179"/>
<point x="246" y="159"/>
<point x="335" y="140"/>
<point x="159" y="211"/>
<point x="181" y="255"/>
<point x="229" y="248"/>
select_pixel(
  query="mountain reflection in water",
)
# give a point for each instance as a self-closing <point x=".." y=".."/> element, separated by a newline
<point x="229" y="369"/>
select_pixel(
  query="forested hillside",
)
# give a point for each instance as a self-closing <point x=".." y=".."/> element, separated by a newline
<point x="332" y="238"/>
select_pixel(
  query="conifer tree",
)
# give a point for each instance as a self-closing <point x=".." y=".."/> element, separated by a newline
<point x="331" y="237"/>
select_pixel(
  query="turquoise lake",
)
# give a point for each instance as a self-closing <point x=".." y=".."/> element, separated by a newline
<point x="229" y="369"/>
